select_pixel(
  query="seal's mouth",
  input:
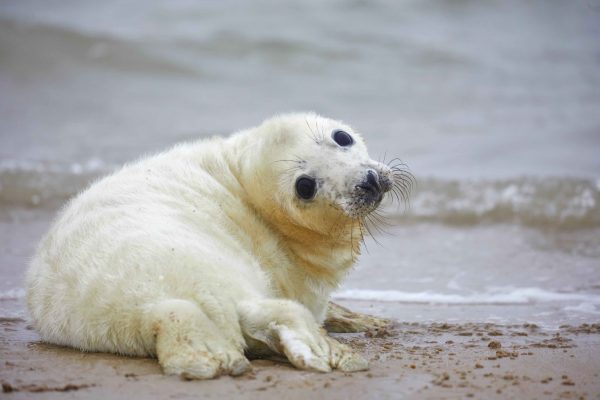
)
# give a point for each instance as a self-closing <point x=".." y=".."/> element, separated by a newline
<point x="364" y="201"/>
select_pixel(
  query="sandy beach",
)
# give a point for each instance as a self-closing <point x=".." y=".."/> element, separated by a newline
<point x="408" y="360"/>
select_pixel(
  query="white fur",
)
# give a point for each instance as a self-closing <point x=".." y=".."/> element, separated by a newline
<point x="193" y="254"/>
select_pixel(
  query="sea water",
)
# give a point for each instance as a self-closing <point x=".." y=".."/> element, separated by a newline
<point x="493" y="105"/>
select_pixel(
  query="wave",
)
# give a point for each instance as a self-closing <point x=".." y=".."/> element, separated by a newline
<point x="585" y="308"/>
<point x="27" y="43"/>
<point x="45" y="185"/>
<point x="537" y="202"/>
<point x="12" y="294"/>
<point x="501" y="296"/>
<point x="532" y="201"/>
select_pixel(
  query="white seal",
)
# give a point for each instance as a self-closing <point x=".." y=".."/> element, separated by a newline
<point x="213" y="250"/>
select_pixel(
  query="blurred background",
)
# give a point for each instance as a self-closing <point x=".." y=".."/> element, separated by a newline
<point x="494" y="105"/>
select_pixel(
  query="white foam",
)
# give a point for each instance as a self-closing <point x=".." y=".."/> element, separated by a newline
<point x="499" y="296"/>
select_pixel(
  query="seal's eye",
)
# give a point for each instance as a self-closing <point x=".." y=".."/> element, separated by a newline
<point x="342" y="138"/>
<point x="306" y="187"/>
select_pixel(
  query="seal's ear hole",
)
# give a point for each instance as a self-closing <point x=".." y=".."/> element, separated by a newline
<point x="306" y="187"/>
<point x="342" y="138"/>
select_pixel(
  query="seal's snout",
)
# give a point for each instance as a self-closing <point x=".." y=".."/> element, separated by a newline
<point x="371" y="186"/>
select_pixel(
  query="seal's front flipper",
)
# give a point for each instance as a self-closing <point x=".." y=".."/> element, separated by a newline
<point x="341" y="320"/>
<point x="188" y="343"/>
<point x="289" y="329"/>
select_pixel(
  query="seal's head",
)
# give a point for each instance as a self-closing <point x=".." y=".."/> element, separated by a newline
<point x="313" y="172"/>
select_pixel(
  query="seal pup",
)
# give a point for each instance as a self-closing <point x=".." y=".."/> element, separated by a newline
<point x="213" y="250"/>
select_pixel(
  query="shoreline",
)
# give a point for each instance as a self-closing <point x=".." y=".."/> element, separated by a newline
<point x="407" y="360"/>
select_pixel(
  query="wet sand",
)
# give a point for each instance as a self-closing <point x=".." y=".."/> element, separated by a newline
<point x="408" y="360"/>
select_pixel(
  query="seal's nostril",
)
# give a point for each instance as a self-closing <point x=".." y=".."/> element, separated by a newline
<point x="373" y="180"/>
<point x="371" y="183"/>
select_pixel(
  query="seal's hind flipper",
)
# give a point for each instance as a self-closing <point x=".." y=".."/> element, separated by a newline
<point x="289" y="329"/>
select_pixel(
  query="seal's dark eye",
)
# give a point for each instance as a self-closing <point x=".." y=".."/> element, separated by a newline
<point x="306" y="187"/>
<point x="342" y="138"/>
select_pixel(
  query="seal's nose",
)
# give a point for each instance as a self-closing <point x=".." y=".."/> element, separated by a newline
<point x="371" y="183"/>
